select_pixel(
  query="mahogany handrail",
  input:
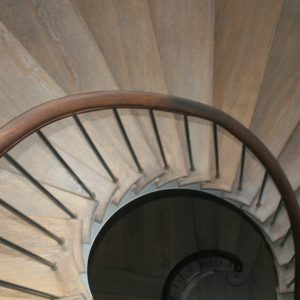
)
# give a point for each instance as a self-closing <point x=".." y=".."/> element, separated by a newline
<point x="36" y="118"/>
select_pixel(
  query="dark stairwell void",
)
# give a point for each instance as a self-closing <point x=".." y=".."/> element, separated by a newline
<point x="181" y="245"/>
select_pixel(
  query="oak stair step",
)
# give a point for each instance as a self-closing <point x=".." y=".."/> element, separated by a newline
<point x="63" y="60"/>
<point x="17" y="231"/>
<point x="274" y="121"/>
<point x="35" y="88"/>
<point x="63" y="282"/>
<point x="16" y="190"/>
<point x="136" y="68"/>
<point x="47" y="169"/>
<point x="289" y="160"/>
<point x="188" y="69"/>
<point x="243" y="41"/>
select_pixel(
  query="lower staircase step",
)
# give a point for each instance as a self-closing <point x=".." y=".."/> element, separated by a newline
<point x="35" y="203"/>
<point x="17" y="231"/>
<point x="63" y="282"/>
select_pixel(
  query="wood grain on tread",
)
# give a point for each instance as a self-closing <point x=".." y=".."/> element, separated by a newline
<point x="285" y="276"/>
<point x="244" y="32"/>
<point x="130" y="49"/>
<point x="17" y="66"/>
<point x="76" y="297"/>
<point x="40" y="163"/>
<point x="282" y="224"/>
<point x="56" y="36"/>
<point x="62" y="282"/>
<point x="278" y="110"/>
<point x="284" y="254"/>
<point x="9" y="294"/>
<point x="184" y="33"/>
<point x="34" y="87"/>
<point x="17" y="191"/>
<point x="26" y="236"/>
<point x="289" y="159"/>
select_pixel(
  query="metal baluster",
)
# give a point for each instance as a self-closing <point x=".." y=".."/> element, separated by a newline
<point x="188" y="141"/>
<point x="280" y="205"/>
<point x="31" y="222"/>
<point x="94" y="148"/>
<point x="39" y="186"/>
<point x="216" y="146"/>
<point x="290" y="283"/>
<point x="258" y="204"/>
<point x="127" y="141"/>
<point x="23" y="289"/>
<point x="9" y="244"/>
<point x="290" y="262"/>
<point x="158" y="139"/>
<point x="64" y="163"/>
<point x="286" y="237"/>
<point x="240" y="187"/>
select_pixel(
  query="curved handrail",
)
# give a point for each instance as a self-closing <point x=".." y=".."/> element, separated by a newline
<point x="36" y="118"/>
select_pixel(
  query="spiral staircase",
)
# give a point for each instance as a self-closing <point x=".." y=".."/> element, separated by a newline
<point x="69" y="164"/>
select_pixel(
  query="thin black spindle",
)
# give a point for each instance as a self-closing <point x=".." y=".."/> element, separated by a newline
<point x="94" y="148"/>
<point x="158" y="139"/>
<point x="64" y="163"/>
<point x="188" y="142"/>
<point x="290" y="262"/>
<point x="28" y="220"/>
<point x="28" y="253"/>
<point x="127" y="141"/>
<point x="39" y="186"/>
<point x="262" y="188"/>
<point x="279" y="206"/>
<point x="290" y="283"/>
<point x="216" y="146"/>
<point x="23" y="289"/>
<point x="286" y="237"/>
<point x="240" y="186"/>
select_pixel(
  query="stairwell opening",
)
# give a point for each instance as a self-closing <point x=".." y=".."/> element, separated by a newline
<point x="138" y="251"/>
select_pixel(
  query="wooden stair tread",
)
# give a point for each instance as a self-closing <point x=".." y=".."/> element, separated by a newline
<point x="289" y="160"/>
<point x="8" y="294"/>
<point x="188" y="67"/>
<point x="56" y="35"/>
<point x="243" y="38"/>
<point x="62" y="282"/>
<point x="284" y="278"/>
<point x="274" y="121"/>
<point x="37" y="85"/>
<point x="280" y="228"/>
<point x="46" y="168"/>
<point x="72" y="58"/>
<point x="33" y="202"/>
<point x="284" y="254"/>
<point x="34" y="85"/>
<point x="76" y="297"/>
<point x="28" y="237"/>
<point x="136" y="68"/>
<point x="108" y="139"/>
